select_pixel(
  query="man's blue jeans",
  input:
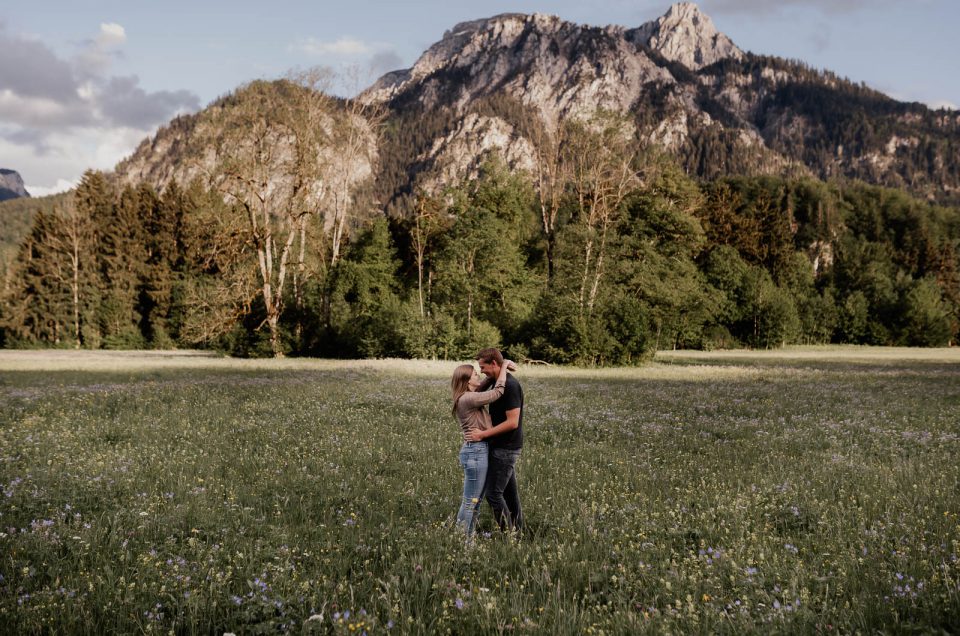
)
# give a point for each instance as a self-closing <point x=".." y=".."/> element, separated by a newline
<point x="502" y="493"/>
<point x="473" y="459"/>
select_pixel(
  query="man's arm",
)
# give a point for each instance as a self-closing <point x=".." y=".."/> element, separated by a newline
<point x="507" y="425"/>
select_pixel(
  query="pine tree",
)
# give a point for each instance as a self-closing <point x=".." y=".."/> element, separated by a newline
<point x="160" y="219"/>
<point x="55" y="292"/>
<point x="122" y="259"/>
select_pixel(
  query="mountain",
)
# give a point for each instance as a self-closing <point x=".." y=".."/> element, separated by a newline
<point x="686" y="86"/>
<point x="11" y="185"/>
<point x="504" y="84"/>
<point x="273" y="142"/>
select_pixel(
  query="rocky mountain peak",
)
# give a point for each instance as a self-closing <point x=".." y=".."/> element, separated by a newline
<point x="11" y="185"/>
<point x="462" y="46"/>
<point x="685" y="34"/>
<point x="558" y="68"/>
<point x="502" y="85"/>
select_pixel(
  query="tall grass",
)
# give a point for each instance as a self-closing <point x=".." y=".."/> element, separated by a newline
<point x="703" y="493"/>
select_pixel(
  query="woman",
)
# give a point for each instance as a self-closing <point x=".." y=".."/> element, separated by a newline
<point x="468" y="408"/>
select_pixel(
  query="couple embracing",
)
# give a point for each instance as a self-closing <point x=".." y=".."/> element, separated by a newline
<point x="492" y="439"/>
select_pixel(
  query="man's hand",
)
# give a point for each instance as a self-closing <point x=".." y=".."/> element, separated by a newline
<point x="475" y="436"/>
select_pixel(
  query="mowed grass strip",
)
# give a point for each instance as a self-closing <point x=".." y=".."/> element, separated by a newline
<point x="724" y="492"/>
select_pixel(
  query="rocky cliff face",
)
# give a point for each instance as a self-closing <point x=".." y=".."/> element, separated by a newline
<point x="686" y="86"/>
<point x="560" y="70"/>
<point x="11" y="185"/>
<point x="496" y="86"/>
<point x="231" y="130"/>
<point x="685" y="35"/>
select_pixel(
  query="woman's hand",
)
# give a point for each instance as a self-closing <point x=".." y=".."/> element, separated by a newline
<point x="475" y="435"/>
<point x="510" y="365"/>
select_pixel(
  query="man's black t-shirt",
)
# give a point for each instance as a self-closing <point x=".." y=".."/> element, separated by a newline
<point x="512" y="398"/>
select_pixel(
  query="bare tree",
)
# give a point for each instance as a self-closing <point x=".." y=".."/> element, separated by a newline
<point x="603" y="170"/>
<point x="257" y="172"/>
<point x="314" y="163"/>
<point x="553" y="174"/>
<point x="288" y="157"/>
<point x="223" y="285"/>
<point x="69" y="240"/>
<point x="354" y="135"/>
<point x="428" y="222"/>
<point x="285" y="152"/>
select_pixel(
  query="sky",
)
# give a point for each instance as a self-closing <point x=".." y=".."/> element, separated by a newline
<point x="83" y="82"/>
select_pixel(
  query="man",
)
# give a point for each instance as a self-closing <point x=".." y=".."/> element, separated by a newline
<point x="505" y="440"/>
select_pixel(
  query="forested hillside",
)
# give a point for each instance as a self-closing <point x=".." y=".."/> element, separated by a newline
<point x="16" y="218"/>
<point x="626" y="256"/>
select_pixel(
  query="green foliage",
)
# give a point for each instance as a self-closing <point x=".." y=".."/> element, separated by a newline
<point x="481" y="275"/>
<point x="16" y="219"/>
<point x="757" y="262"/>
<point x="926" y="316"/>
<point x="365" y="309"/>
<point x="662" y="237"/>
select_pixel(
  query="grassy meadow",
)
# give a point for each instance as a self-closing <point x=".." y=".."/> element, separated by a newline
<point x="812" y="490"/>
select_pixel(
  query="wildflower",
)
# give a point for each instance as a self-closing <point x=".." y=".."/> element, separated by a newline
<point x="459" y="603"/>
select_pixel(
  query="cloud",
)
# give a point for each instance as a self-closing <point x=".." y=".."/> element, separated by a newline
<point x="69" y="155"/>
<point x="820" y="38"/>
<point x="61" y="116"/>
<point x="766" y="6"/>
<point x="384" y="62"/>
<point x="343" y="47"/>
<point x="111" y="33"/>
<point x="62" y="185"/>
<point x="98" y="53"/>
<point x="30" y="69"/>
<point x="44" y="113"/>
<point x="28" y="137"/>
<point x="352" y="64"/>
<point x="943" y="103"/>
<point x="124" y="103"/>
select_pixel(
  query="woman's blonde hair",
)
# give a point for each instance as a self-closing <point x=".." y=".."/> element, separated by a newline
<point x="459" y="384"/>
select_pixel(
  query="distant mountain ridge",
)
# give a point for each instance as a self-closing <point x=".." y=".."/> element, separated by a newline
<point x="11" y="185"/>
<point x="492" y="85"/>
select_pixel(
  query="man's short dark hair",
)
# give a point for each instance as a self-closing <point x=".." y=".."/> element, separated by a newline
<point x="489" y="355"/>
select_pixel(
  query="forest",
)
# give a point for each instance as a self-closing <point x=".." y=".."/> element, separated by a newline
<point x="607" y="253"/>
